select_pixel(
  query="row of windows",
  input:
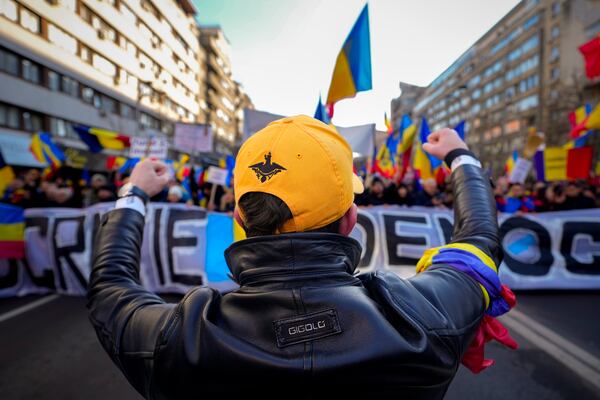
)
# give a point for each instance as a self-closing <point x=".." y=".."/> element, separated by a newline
<point x="28" y="70"/>
<point x="31" y="71"/>
<point x="525" y="66"/>
<point x="514" y="34"/>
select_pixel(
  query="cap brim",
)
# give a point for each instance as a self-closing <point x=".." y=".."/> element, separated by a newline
<point x="357" y="184"/>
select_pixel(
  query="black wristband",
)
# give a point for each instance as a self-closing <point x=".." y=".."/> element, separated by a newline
<point x="136" y="191"/>
<point x="455" y="153"/>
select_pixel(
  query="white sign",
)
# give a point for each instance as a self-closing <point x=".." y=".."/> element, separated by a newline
<point x="520" y="170"/>
<point x="193" y="137"/>
<point x="218" y="176"/>
<point x="155" y="147"/>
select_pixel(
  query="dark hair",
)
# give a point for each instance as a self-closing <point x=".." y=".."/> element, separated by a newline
<point x="265" y="214"/>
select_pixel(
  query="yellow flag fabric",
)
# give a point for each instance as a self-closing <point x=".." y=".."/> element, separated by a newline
<point x="555" y="163"/>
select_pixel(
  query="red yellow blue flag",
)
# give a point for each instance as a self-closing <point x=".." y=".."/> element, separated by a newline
<point x="46" y="151"/>
<point x="97" y="139"/>
<point x="352" y="71"/>
<point x="6" y="175"/>
<point x="12" y="232"/>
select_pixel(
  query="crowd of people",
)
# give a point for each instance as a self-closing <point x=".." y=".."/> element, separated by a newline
<point x="510" y="197"/>
<point x="67" y="188"/>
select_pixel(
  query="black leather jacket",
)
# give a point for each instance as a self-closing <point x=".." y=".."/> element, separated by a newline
<point x="302" y="324"/>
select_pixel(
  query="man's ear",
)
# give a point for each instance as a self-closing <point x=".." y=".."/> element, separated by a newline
<point x="238" y="218"/>
<point x="348" y="220"/>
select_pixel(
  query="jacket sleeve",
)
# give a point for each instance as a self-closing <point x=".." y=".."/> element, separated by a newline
<point x="127" y="318"/>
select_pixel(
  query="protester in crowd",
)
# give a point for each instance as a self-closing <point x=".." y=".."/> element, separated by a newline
<point x="401" y="196"/>
<point x="517" y="200"/>
<point x="227" y="203"/>
<point x="175" y="194"/>
<point x="428" y="197"/>
<point x="375" y="195"/>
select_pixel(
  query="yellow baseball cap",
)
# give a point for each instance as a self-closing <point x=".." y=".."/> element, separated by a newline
<point x="304" y="162"/>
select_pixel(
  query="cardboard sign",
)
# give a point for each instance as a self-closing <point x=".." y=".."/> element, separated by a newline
<point x="193" y="137"/>
<point x="520" y="170"/>
<point x="218" y="176"/>
<point x="155" y="147"/>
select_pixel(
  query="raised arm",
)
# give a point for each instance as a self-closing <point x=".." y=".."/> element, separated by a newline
<point x="125" y="315"/>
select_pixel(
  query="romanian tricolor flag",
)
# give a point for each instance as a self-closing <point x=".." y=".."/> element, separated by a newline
<point x="6" y="175"/>
<point x="12" y="232"/>
<point x="591" y="57"/>
<point x="46" y="151"/>
<point x="589" y="120"/>
<point x="352" y="72"/>
<point x="510" y="162"/>
<point x="385" y="161"/>
<point x="181" y="168"/>
<point x="97" y="139"/>
<point x="407" y="134"/>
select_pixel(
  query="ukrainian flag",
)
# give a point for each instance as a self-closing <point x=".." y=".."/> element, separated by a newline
<point x="352" y="72"/>
<point x="12" y="232"/>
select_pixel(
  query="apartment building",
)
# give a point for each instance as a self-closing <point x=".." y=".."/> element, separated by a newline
<point x="222" y="99"/>
<point x="526" y="71"/>
<point x="123" y="65"/>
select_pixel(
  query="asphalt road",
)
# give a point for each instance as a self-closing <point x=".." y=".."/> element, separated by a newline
<point x="50" y="351"/>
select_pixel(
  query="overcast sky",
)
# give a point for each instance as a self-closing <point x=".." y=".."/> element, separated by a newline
<point x="284" y="51"/>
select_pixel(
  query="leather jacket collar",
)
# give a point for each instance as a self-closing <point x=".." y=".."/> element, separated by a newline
<point x="292" y="256"/>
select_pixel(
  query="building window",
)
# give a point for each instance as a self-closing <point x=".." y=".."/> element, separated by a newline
<point x="9" y="62"/>
<point x="53" y="80"/>
<point x="30" y="21"/>
<point x="127" y="111"/>
<point x="62" y="39"/>
<point x="109" y="105"/>
<point x="32" y="122"/>
<point x="555" y="9"/>
<point x="87" y="95"/>
<point x="555" y="32"/>
<point x="30" y="71"/>
<point x="70" y="86"/>
<point x="8" y="8"/>
<point x="555" y="73"/>
<point x="58" y="127"/>
<point x="9" y="116"/>
<point x="554" y="53"/>
<point x="85" y="53"/>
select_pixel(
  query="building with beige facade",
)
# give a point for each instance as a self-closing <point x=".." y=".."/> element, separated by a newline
<point x="222" y="99"/>
<point x="526" y="71"/>
<point x="123" y="65"/>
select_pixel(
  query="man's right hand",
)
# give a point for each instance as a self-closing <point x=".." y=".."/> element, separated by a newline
<point x="442" y="142"/>
<point x="150" y="176"/>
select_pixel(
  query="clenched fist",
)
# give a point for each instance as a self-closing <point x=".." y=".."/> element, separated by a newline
<point x="442" y="142"/>
<point x="150" y="176"/>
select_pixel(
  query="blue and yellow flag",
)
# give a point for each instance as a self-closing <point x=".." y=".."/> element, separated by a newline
<point x="46" y="151"/>
<point x="352" y="72"/>
<point x="422" y="162"/>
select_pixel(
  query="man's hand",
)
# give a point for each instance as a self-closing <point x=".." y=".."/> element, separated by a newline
<point x="442" y="142"/>
<point x="150" y="176"/>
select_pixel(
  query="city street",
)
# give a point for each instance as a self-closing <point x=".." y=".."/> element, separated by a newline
<point x="49" y="351"/>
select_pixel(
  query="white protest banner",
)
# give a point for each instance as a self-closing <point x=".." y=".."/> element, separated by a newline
<point x="520" y="170"/>
<point x="218" y="176"/>
<point x="183" y="247"/>
<point x="193" y="137"/>
<point x="155" y="147"/>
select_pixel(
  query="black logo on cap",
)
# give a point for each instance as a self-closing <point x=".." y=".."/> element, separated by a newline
<point x="266" y="170"/>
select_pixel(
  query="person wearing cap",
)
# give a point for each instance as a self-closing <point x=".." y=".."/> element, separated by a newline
<point x="302" y="323"/>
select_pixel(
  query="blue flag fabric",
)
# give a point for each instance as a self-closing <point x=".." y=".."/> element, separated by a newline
<point x="460" y="129"/>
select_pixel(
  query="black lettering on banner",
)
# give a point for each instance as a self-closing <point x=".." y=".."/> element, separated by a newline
<point x="64" y="253"/>
<point x="544" y="242"/>
<point x="393" y="240"/>
<point x="156" y="246"/>
<point x="369" y="242"/>
<point x="570" y="231"/>
<point x="176" y="215"/>
<point x="446" y="226"/>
